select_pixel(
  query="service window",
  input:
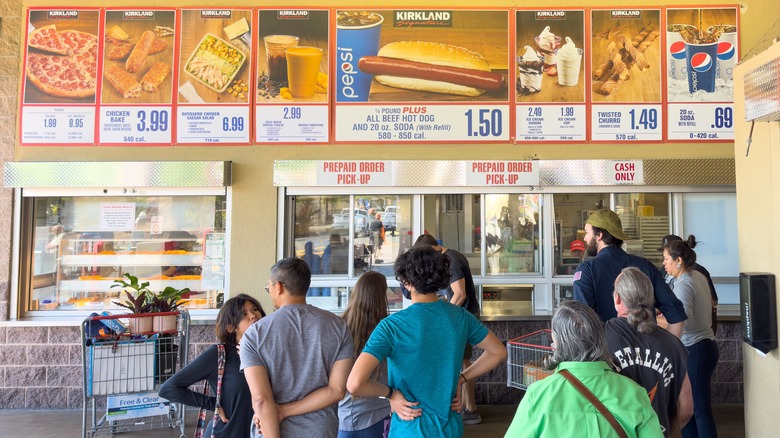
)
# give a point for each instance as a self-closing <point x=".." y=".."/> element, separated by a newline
<point x="79" y="245"/>
<point x="342" y="236"/>
<point x="512" y="235"/>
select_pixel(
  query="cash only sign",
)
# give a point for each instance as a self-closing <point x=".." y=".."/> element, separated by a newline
<point x="422" y="76"/>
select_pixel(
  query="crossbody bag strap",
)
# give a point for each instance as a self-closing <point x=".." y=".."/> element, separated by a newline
<point x="220" y="373"/>
<point x="596" y="402"/>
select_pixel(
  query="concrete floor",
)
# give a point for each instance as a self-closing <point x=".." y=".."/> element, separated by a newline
<point x="495" y="421"/>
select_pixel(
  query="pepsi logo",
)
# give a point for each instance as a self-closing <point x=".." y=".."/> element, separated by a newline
<point x="701" y="62"/>
<point x="677" y="50"/>
<point x="726" y="51"/>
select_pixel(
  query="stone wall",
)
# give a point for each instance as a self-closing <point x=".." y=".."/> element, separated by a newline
<point x="10" y="30"/>
<point x="40" y="367"/>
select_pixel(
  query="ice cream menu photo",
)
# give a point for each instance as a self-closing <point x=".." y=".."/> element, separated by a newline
<point x="702" y="48"/>
<point x="215" y="80"/>
<point x="626" y="75"/>
<point x="550" y="85"/>
<point x="61" y="77"/>
<point x="422" y="75"/>
<point x="136" y="101"/>
<point x="292" y="96"/>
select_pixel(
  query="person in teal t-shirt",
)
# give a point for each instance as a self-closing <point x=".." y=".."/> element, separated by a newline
<point x="553" y="407"/>
<point x="423" y="346"/>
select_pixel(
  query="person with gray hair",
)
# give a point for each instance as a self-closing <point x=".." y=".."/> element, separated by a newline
<point x="554" y="407"/>
<point x="647" y="354"/>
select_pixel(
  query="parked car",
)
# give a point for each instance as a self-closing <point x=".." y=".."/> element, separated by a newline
<point x="361" y="219"/>
<point x="390" y="218"/>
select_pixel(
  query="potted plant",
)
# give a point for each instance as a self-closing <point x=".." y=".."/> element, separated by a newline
<point x="137" y="303"/>
<point x="167" y="301"/>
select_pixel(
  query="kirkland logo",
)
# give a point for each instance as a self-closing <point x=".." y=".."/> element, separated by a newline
<point x="216" y="14"/>
<point x="626" y="14"/>
<point x="550" y="15"/>
<point x="139" y="15"/>
<point x="292" y="15"/>
<point x="63" y="15"/>
<point x="422" y="19"/>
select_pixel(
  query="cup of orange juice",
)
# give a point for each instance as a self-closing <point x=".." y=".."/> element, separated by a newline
<point x="303" y="64"/>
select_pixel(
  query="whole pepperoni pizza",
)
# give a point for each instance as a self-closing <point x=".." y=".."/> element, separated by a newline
<point x="64" y="63"/>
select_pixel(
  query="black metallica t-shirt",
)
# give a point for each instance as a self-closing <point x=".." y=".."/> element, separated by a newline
<point x="657" y="361"/>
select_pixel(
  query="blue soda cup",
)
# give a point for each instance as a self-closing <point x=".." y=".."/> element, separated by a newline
<point x="357" y="35"/>
<point x="700" y="59"/>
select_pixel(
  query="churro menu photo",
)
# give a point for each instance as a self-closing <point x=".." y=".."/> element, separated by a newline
<point x="626" y="75"/>
<point x="60" y="69"/>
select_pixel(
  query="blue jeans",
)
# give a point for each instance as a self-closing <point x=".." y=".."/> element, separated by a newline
<point x="702" y="358"/>
<point x="378" y="430"/>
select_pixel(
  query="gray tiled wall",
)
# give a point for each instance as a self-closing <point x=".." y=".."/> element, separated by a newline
<point x="40" y="367"/>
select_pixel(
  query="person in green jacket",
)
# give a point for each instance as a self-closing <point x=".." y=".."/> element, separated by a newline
<point x="553" y="407"/>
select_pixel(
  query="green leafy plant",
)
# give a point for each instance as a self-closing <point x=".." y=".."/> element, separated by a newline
<point x="140" y="302"/>
<point x="168" y="300"/>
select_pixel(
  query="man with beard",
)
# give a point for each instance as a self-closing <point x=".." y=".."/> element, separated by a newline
<point x="594" y="279"/>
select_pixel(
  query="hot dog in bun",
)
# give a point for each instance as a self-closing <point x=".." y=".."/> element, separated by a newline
<point x="432" y="67"/>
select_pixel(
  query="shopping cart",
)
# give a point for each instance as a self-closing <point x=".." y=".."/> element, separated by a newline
<point x="525" y="362"/>
<point x="122" y="373"/>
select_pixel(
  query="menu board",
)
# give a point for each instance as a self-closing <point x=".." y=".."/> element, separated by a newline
<point x="702" y="48"/>
<point x="625" y="79"/>
<point x="292" y="99"/>
<point x="550" y="86"/>
<point x="194" y="76"/>
<point x="60" y="70"/>
<point x="214" y="80"/>
<point x="136" y="99"/>
<point x="422" y="76"/>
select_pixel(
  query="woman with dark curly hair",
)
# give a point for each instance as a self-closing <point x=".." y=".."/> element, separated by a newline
<point x="423" y="345"/>
<point x="235" y="414"/>
<point x="692" y="289"/>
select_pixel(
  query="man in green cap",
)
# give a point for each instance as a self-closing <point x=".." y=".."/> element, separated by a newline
<point x="594" y="279"/>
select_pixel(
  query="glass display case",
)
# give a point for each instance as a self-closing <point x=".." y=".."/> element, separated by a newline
<point x="82" y="245"/>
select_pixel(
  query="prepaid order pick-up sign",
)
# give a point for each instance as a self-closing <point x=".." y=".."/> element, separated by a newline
<point x="502" y="173"/>
<point x="353" y="173"/>
<point x="388" y="90"/>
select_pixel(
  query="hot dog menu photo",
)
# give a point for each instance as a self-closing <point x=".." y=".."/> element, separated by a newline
<point x="422" y="75"/>
<point x="550" y="85"/>
<point x="626" y="75"/>
<point x="702" y="48"/>
<point x="214" y="83"/>
<point x="60" y="68"/>
<point x="292" y="97"/>
<point x="137" y="93"/>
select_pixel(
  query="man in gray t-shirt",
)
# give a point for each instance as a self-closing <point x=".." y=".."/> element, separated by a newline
<point x="296" y="360"/>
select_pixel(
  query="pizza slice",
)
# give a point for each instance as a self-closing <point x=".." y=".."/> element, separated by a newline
<point x="48" y="40"/>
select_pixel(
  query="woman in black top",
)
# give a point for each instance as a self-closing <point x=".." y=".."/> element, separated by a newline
<point x="235" y="317"/>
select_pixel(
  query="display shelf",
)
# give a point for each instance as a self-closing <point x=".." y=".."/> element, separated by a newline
<point x="105" y="285"/>
<point x="189" y="259"/>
